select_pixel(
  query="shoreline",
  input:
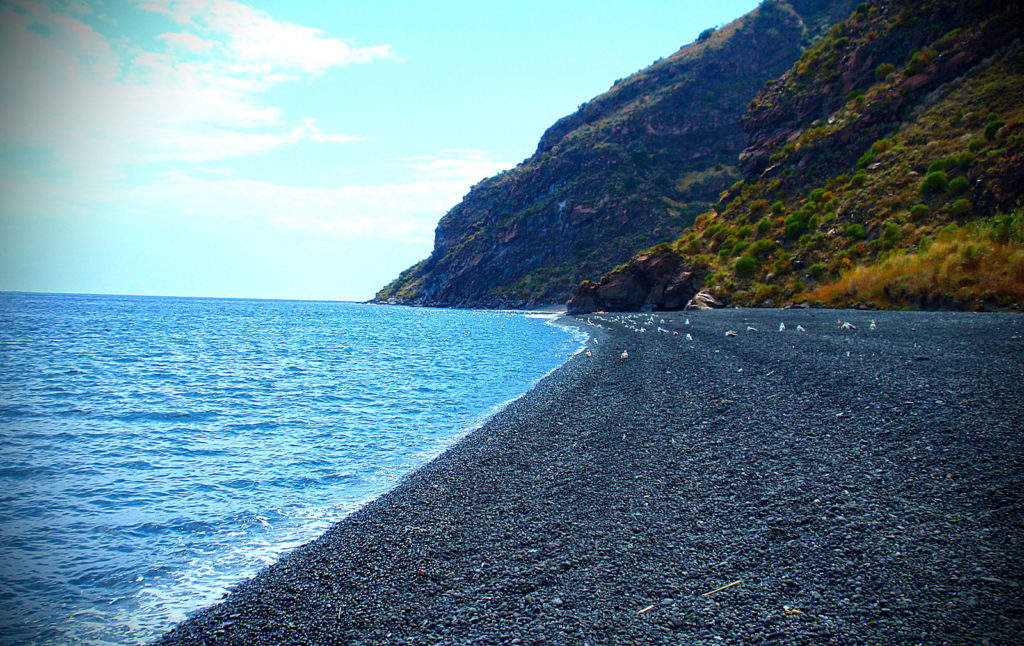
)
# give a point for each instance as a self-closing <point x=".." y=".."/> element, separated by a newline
<point x="604" y="503"/>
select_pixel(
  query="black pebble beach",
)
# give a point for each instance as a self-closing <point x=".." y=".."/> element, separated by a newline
<point x="829" y="486"/>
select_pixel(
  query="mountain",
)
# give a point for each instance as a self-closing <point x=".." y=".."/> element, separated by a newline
<point x="631" y="168"/>
<point x="885" y="168"/>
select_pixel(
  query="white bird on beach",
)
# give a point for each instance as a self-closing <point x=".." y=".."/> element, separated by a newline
<point x="848" y="326"/>
<point x="872" y="326"/>
<point x="689" y="337"/>
<point x="782" y="327"/>
<point x="751" y="328"/>
<point x="588" y="353"/>
<point x="687" y="322"/>
<point x="624" y="355"/>
<point x="731" y="333"/>
<point x="800" y="328"/>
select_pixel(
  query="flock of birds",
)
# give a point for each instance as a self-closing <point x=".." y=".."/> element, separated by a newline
<point x="642" y="323"/>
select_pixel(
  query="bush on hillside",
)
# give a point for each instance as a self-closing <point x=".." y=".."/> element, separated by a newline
<point x="746" y="266"/>
<point x="958" y="185"/>
<point x="855" y="231"/>
<point x="993" y="128"/>
<point x="934" y="182"/>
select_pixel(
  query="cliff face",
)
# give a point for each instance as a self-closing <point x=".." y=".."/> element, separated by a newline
<point x="630" y="168"/>
<point x="896" y="136"/>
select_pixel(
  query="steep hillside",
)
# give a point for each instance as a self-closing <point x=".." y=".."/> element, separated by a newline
<point x="885" y="168"/>
<point x="630" y="168"/>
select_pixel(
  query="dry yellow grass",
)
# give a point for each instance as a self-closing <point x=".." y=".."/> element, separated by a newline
<point x="963" y="268"/>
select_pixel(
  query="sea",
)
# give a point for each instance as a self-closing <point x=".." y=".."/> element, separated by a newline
<point x="155" y="452"/>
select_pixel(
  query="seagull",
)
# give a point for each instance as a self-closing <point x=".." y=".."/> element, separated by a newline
<point x="751" y="328"/>
<point x="687" y="321"/>
<point x="731" y="333"/>
<point x="848" y="326"/>
<point x="624" y="355"/>
<point x="872" y="326"/>
<point x="588" y="353"/>
<point x="689" y="337"/>
<point x="800" y="328"/>
<point x="782" y="327"/>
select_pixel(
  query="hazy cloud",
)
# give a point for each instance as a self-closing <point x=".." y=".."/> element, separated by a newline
<point x="193" y="94"/>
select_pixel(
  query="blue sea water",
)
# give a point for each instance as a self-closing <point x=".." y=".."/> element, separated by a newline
<point x="156" y="451"/>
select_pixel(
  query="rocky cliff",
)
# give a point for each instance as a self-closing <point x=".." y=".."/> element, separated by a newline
<point x="630" y="168"/>
<point x="886" y="167"/>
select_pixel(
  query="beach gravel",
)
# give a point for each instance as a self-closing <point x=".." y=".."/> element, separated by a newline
<point x="835" y="486"/>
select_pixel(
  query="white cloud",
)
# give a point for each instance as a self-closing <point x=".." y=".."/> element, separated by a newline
<point x="407" y="211"/>
<point x="187" y="41"/>
<point x="255" y="39"/>
<point x="193" y="94"/>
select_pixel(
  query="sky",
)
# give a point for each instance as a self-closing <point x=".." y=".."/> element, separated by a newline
<point x="293" y="149"/>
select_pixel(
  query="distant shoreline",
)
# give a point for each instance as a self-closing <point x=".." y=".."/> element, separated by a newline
<point x="833" y="485"/>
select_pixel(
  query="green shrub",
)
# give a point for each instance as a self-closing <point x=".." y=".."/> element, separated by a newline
<point x="977" y="144"/>
<point x="763" y="226"/>
<point x="958" y="185"/>
<point x="866" y="159"/>
<point x="760" y="246"/>
<point x="778" y="208"/>
<point x="746" y="266"/>
<point x="816" y="194"/>
<point x="884" y="70"/>
<point x="858" y="179"/>
<point x="881" y="145"/>
<point x="937" y="165"/>
<point x="934" y="181"/>
<point x="993" y="128"/>
<point x="704" y="35"/>
<point x="961" y="207"/>
<point x="920" y="211"/>
<point x="964" y="160"/>
<point x="795" y="226"/>
<point x="796" y="286"/>
<point x="757" y="207"/>
<point x="817" y="270"/>
<point x="919" y="61"/>
<point x="745" y="231"/>
<point x="805" y="240"/>
<point x="855" y="231"/>
<point x="891" y="235"/>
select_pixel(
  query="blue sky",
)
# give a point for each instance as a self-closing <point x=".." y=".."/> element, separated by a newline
<point x="282" y="149"/>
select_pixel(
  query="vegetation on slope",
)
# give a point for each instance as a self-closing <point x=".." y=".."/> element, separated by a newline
<point x="862" y="157"/>
<point x="976" y="266"/>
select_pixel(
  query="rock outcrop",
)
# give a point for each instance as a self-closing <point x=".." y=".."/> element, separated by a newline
<point x="630" y="168"/>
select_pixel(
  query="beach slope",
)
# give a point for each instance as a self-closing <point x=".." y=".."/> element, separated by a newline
<point x="833" y="485"/>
